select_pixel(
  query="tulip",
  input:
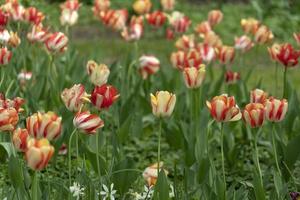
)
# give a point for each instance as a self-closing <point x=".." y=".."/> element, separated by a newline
<point x="193" y="76"/>
<point x="98" y="73"/>
<point x="170" y="34"/>
<point x="185" y="43"/>
<point x="163" y="103"/>
<point x="150" y="174"/>
<point x="243" y="43"/>
<point x="297" y="38"/>
<point x="232" y="77"/>
<point x="15" y="11"/>
<point x="5" y="56"/>
<point x="258" y="96"/>
<point x="276" y="109"/>
<point x="75" y="97"/>
<point x="274" y="51"/>
<point x="99" y="6"/>
<point x="23" y="77"/>
<point x="254" y="114"/>
<point x="263" y="35"/>
<point x="87" y="123"/>
<point x="33" y="15"/>
<point x="57" y="42"/>
<point x="69" y="14"/>
<point x="206" y="51"/>
<point x="115" y="19"/>
<point x="250" y="25"/>
<point x="226" y="54"/>
<point x="178" y="59"/>
<point x="179" y="22"/>
<point x="203" y="28"/>
<point x="3" y="19"/>
<point x="135" y="30"/>
<point x="287" y="55"/>
<point x="44" y="125"/>
<point x="70" y="4"/>
<point x="20" y="138"/>
<point x="167" y="5"/>
<point x="37" y="34"/>
<point x="4" y="36"/>
<point x="38" y="153"/>
<point x="215" y="17"/>
<point x="104" y="96"/>
<point x="224" y="109"/>
<point x="14" y="39"/>
<point x="8" y="119"/>
<point x="15" y="103"/>
<point x="212" y="39"/>
<point x="156" y="19"/>
<point x="192" y="59"/>
<point x="142" y="6"/>
<point x="148" y="65"/>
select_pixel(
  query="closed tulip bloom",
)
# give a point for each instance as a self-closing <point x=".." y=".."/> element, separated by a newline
<point x="14" y="39"/>
<point x="87" y="122"/>
<point x="243" y="43"/>
<point x="69" y="14"/>
<point x="177" y="59"/>
<point x="287" y="55"/>
<point x="258" y="96"/>
<point x="148" y="65"/>
<point x="206" y="51"/>
<point x="185" y="42"/>
<point x="38" y="153"/>
<point x="37" y="34"/>
<point x="297" y="37"/>
<point x="263" y="35"/>
<point x="156" y="19"/>
<point x="8" y="119"/>
<point x="254" y="114"/>
<point x="224" y="109"/>
<point x="150" y="173"/>
<point x="57" y="42"/>
<point x="5" y="56"/>
<point x="44" y="125"/>
<point x="203" y="28"/>
<point x="274" y="51"/>
<point x="163" y="103"/>
<point x="3" y="19"/>
<point x="20" y="138"/>
<point x="33" y="15"/>
<point x="192" y="59"/>
<point x="226" y="54"/>
<point x="4" y="36"/>
<point x="212" y="39"/>
<point x="98" y="73"/>
<point x="167" y="5"/>
<point x="194" y="77"/>
<point x="100" y="6"/>
<point x="250" y="25"/>
<point x="15" y="103"/>
<point x="276" y="109"/>
<point x="115" y="19"/>
<point x="179" y="22"/>
<point x="104" y="96"/>
<point x="135" y="30"/>
<point x="232" y="77"/>
<point x="75" y="97"/>
<point x="215" y="17"/>
<point x="15" y="10"/>
<point x="142" y="6"/>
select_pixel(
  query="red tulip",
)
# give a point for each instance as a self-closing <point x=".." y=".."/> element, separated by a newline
<point x="156" y="19"/>
<point x="115" y="19"/>
<point x="33" y="15"/>
<point x="148" y="65"/>
<point x="5" y="56"/>
<point x="226" y="54"/>
<point x="104" y="96"/>
<point x="287" y="55"/>
<point x="276" y="109"/>
<point x="232" y="77"/>
<point x="15" y="103"/>
<point x="258" y="96"/>
<point x="3" y="19"/>
<point x="206" y="51"/>
<point x="57" y="42"/>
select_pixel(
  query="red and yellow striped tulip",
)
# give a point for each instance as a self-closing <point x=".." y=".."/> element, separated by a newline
<point x="263" y="35"/>
<point x="243" y="43"/>
<point x="33" y="15"/>
<point x="206" y="51"/>
<point x="194" y="77"/>
<point x="38" y="34"/>
<point x="163" y="103"/>
<point x="179" y="22"/>
<point x="232" y="77"/>
<point x="15" y="103"/>
<point x="5" y="56"/>
<point x="215" y="17"/>
<point x="156" y="19"/>
<point x="185" y="42"/>
<point x="104" y="96"/>
<point x="115" y="19"/>
<point x="57" y="42"/>
<point x="226" y="54"/>
<point x="100" y="6"/>
<point x="8" y="119"/>
<point x="274" y="51"/>
<point x="75" y="97"/>
<point x="212" y="39"/>
<point x="98" y="73"/>
<point x="148" y="65"/>
<point x="250" y="25"/>
<point x="203" y="28"/>
<point x="258" y="96"/>
<point x="287" y="55"/>
<point x="254" y="114"/>
<point x="297" y="38"/>
<point x="150" y="173"/>
<point x="87" y="122"/>
<point x="276" y="109"/>
<point x="20" y="138"/>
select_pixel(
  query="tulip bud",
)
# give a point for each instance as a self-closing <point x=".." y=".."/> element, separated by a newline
<point x="8" y="119"/>
<point x="57" y="42"/>
<point x="224" y="109"/>
<point x="258" y="96"/>
<point x="68" y="17"/>
<point x="215" y="17"/>
<point x="87" y="123"/>
<point x="263" y="35"/>
<point x="254" y="114"/>
<point x="38" y="153"/>
<point x="212" y="39"/>
<point x="163" y="103"/>
<point x="276" y="109"/>
<point x="3" y="19"/>
<point x="207" y="52"/>
<point x="194" y="77"/>
<point x="150" y="173"/>
<point x="250" y="25"/>
<point x="185" y="43"/>
<point x="115" y="19"/>
<point x="98" y="73"/>
<point x="226" y="54"/>
<point x="203" y="28"/>
<point x="167" y="5"/>
<point x="179" y="22"/>
<point x="75" y="97"/>
<point x="192" y="59"/>
<point x="44" y="125"/>
<point x="142" y="6"/>
<point x="104" y="96"/>
<point x="135" y="30"/>
<point x="100" y="5"/>
<point x="5" y="56"/>
<point x="274" y="51"/>
<point x="148" y="65"/>
<point x="14" y="39"/>
<point x="177" y="59"/>
<point x="33" y="15"/>
<point x="15" y="11"/>
<point x="232" y="77"/>
<point x="37" y="34"/>
<point x="156" y="19"/>
<point x="287" y="55"/>
<point x="243" y="43"/>
<point x="20" y="138"/>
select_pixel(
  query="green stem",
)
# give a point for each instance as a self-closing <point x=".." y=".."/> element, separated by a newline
<point x="276" y="77"/>
<point x="285" y="83"/>
<point x="158" y="146"/>
<point x="274" y="149"/>
<point x="35" y="186"/>
<point x="223" y="162"/>
<point x="257" y="157"/>
<point x="97" y="155"/>
<point x="69" y="155"/>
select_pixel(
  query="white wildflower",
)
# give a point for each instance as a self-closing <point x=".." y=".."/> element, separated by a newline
<point x="108" y="193"/>
<point x="76" y="190"/>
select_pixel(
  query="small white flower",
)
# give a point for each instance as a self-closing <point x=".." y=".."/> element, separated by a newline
<point x="108" y="193"/>
<point x="76" y="190"/>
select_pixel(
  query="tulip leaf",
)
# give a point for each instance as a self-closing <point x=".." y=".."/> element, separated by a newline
<point x="7" y="148"/>
<point x="161" y="187"/>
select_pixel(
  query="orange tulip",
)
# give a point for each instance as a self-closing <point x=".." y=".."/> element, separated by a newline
<point x="215" y="17"/>
<point x="150" y="173"/>
<point x="254" y="114"/>
<point x="263" y="35"/>
<point x="250" y="25"/>
<point x="273" y="51"/>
